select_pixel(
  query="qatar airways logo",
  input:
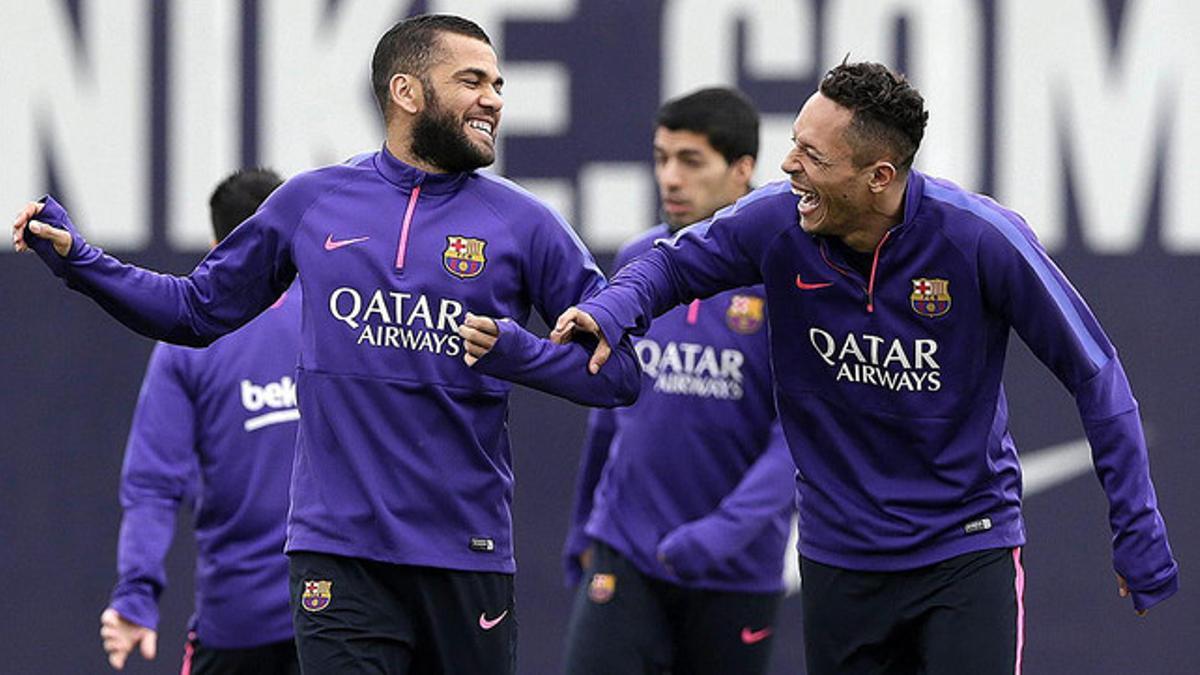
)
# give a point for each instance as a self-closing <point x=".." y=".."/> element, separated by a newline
<point x="277" y="398"/>
<point x="870" y="359"/>
<point x="399" y="320"/>
<point x="690" y="369"/>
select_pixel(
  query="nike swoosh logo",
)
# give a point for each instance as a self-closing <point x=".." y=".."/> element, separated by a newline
<point x="331" y="245"/>
<point x="805" y="286"/>
<point x="1050" y="467"/>
<point x="488" y="624"/>
<point x="751" y="637"/>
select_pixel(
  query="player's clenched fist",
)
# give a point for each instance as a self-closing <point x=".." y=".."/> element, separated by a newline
<point x="24" y="223"/>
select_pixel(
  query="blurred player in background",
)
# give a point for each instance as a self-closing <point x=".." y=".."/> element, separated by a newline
<point x="683" y="501"/>
<point x="892" y="298"/>
<point x="217" y="425"/>
<point x="400" y="527"/>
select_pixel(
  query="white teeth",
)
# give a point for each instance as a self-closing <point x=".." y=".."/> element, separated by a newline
<point x="485" y="127"/>
<point x="807" y="198"/>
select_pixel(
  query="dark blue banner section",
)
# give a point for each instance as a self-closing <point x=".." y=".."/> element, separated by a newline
<point x="1080" y="114"/>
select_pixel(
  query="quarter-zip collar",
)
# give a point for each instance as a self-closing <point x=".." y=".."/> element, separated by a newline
<point x="913" y="191"/>
<point x="407" y="177"/>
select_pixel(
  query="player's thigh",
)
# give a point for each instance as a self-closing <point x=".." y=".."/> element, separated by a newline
<point x="977" y="623"/>
<point x="725" y="633"/>
<point x="617" y="622"/>
<point x="347" y="617"/>
<point x="466" y="621"/>
<point x="854" y="622"/>
<point x="272" y="659"/>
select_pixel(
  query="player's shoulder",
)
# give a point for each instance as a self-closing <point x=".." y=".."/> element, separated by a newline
<point x="960" y="211"/>
<point x="507" y="193"/>
<point x="174" y="360"/>
<point x="522" y="212"/>
<point x="774" y="195"/>
<point x="641" y="243"/>
<point x="308" y="186"/>
<point x="755" y="220"/>
<point x="771" y="205"/>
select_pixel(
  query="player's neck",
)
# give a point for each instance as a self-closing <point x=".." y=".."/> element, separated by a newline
<point x="884" y="213"/>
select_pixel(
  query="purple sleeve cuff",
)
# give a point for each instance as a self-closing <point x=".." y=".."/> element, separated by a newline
<point x="521" y="357"/>
<point x="1143" y="600"/>
<point x="136" y="606"/>
<point x="609" y="325"/>
<point x="684" y="551"/>
<point x="54" y="215"/>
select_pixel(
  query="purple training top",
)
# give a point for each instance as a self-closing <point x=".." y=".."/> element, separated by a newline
<point x="889" y="384"/>
<point x="402" y="454"/>
<point x="216" y="425"/>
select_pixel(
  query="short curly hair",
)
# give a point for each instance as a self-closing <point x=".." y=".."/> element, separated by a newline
<point x="889" y="114"/>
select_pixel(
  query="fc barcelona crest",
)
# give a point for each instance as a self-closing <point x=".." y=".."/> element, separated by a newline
<point x="317" y="595"/>
<point x="463" y="256"/>
<point x="930" y="297"/>
<point x="602" y="587"/>
<point x="745" y="314"/>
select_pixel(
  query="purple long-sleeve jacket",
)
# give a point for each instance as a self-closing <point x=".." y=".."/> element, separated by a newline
<point x="403" y="454"/>
<point x="889" y="384"/>
<point x="697" y="472"/>
<point x="216" y="425"/>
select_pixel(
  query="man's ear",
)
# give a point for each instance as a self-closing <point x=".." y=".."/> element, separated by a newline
<point x="407" y="93"/>
<point x="883" y="174"/>
<point x="743" y="169"/>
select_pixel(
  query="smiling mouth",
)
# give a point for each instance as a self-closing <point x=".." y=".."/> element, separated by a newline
<point x="809" y="200"/>
<point x="485" y="127"/>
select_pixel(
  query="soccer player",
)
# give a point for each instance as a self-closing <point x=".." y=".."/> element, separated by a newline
<point x="219" y="423"/>
<point x="400" y="527"/>
<point x="684" y="500"/>
<point x="892" y="297"/>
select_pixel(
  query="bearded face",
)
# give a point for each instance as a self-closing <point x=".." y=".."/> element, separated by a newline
<point x="446" y="139"/>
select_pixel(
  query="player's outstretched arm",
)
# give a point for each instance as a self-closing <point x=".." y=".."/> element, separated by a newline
<point x="237" y="280"/>
<point x="704" y="259"/>
<point x="119" y="636"/>
<point x="575" y="321"/>
<point x="505" y="350"/>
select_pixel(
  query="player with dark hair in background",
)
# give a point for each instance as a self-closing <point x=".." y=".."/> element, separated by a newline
<point x="400" y="527"/>
<point x="892" y="298"/>
<point x="684" y="500"/>
<point x="214" y="428"/>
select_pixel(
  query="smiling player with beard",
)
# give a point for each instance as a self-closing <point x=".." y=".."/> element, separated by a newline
<point x="400" y="527"/>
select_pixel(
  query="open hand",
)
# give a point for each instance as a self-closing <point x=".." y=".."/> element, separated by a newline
<point x="120" y="636"/>
<point x="575" y="319"/>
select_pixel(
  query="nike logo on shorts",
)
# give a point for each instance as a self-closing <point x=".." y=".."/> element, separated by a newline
<point x="331" y="245"/>
<point x="751" y="637"/>
<point x="488" y="624"/>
